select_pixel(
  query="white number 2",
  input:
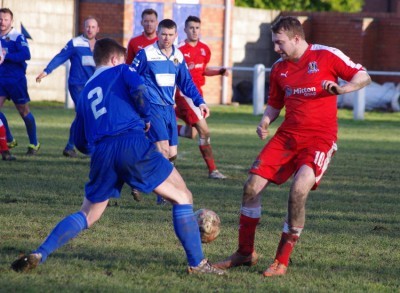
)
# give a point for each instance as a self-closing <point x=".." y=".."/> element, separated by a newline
<point x="99" y="93"/>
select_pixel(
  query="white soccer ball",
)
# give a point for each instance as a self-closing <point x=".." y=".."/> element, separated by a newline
<point x="209" y="225"/>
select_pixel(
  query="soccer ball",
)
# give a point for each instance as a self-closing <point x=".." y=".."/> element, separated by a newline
<point x="209" y="224"/>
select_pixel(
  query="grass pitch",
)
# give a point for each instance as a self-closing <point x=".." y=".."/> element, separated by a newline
<point x="350" y="242"/>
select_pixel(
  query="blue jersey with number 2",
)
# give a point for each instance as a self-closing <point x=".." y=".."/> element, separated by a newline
<point x="114" y="101"/>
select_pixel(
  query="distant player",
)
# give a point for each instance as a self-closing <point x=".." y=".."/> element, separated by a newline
<point x="79" y="51"/>
<point x="112" y="116"/>
<point x="13" y="84"/>
<point x="4" y="150"/>
<point x="163" y="68"/>
<point x="304" y="81"/>
<point x="147" y="37"/>
<point x="197" y="56"/>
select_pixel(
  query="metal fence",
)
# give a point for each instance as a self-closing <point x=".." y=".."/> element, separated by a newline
<point x="259" y="71"/>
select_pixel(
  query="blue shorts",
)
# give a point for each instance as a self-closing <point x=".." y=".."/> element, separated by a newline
<point x="127" y="158"/>
<point x="75" y="91"/>
<point x="15" y="90"/>
<point x="163" y="124"/>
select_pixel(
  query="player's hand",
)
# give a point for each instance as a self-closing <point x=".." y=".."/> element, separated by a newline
<point x="40" y="76"/>
<point x="147" y="126"/>
<point x="205" y="111"/>
<point x="332" y="87"/>
<point x="223" y="71"/>
<point x="262" y="131"/>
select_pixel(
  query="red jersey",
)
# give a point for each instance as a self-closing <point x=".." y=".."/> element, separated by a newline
<point x="197" y="58"/>
<point x="310" y="110"/>
<point x="136" y="44"/>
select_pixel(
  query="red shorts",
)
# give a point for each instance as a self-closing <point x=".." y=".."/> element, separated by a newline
<point x="186" y="110"/>
<point x="285" y="153"/>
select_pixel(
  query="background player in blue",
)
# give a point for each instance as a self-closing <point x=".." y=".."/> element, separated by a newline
<point x="108" y="123"/>
<point x="79" y="51"/>
<point x="163" y="68"/>
<point x="13" y="84"/>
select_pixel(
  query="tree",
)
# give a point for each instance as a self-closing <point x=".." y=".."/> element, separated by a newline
<point x="305" y="5"/>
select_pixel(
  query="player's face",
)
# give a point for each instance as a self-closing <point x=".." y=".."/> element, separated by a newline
<point x="285" y="46"/>
<point x="192" y="31"/>
<point x="5" y="22"/>
<point x="91" y="29"/>
<point x="166" y="37"/>
<point x="149" y="23"/>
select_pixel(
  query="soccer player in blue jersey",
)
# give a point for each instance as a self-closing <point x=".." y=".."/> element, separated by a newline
<point x="163" y="68"/>
<point x="79" y="51"/>
<point x="13" y="85"/>
<point x="113" y="114"/>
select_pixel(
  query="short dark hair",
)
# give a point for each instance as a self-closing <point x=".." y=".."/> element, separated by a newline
<point x="7" y="10"/>
<point x="149" y="11"/>
<point x="291" y="25"/>
<point x="166" y="23"/>
<point x="104" y="48"/>
<point x="192" y="18"/>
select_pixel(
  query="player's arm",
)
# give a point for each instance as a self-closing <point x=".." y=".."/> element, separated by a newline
<point x="270" y="114"/>
<point x="186" y="85"/>
<point x="359" y="80"/>
<point x="216" y="71"/>
<point x="22" y="53"/>
<point x="57" y="60"/>
<point x="80" y="140"/>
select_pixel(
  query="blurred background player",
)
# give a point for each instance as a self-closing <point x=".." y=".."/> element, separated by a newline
<point x="304" y="81"/>
<point x="114" y="115"/>
<point x="197" y="55"/>
<point x="5" y="152"/>
<point x="163" y="67"/>
<point x="79" y="51"/>
<point x="13" y="84"/>
<point x="147" y="37"/>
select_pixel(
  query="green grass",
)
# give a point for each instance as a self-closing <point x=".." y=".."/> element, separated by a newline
<point x="350" y="242"/>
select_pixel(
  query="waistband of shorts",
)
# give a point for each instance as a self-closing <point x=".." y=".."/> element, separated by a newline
<point x="131" y="132"/>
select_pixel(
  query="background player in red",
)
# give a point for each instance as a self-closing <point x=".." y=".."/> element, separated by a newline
<point x="5" y="152"/>
<point x="197" y="55"/>
<point x="304" y="81"/>
<point x="147" y="37"/>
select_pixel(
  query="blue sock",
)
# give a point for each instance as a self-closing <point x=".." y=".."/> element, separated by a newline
<point x="70" y="145"/>
<point x="187" y="231"/>
<point x="31" y="128"/>
<point x="65" y="230"/>
<point x="3" y="118"/>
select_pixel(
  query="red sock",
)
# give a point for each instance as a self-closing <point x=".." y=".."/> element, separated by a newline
<point x="3" y="139"/>
<point x="247" y="233"/>
<point x="285" y="247"/>
<point x="206" y="152"/>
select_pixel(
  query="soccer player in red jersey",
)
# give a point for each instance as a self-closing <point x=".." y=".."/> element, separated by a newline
<point x="197" y="55"/>
<point x="304" y="81"/>
<point x="4" y="150"/>
<point x="147" y="37"/>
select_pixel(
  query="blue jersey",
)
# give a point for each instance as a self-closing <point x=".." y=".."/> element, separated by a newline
<point x="78" y="52"/>
<point x="113" y="102"/>
<point x="17" y="52"/>
<point x="161" y="75"/>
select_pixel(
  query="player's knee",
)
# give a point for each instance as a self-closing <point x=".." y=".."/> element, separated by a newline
<point x="250" y="193"/>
